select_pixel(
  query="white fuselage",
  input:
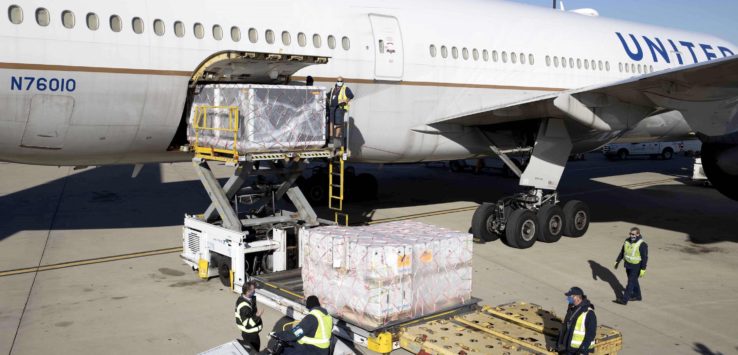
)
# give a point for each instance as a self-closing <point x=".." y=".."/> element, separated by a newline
<point x="77" y="96"/>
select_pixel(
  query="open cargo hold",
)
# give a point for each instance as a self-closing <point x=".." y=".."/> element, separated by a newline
<point x="385" y="273"/>
<point x="248" y="118"/>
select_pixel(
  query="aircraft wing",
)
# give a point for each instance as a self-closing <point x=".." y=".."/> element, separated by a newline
<point x="705" y="93"/>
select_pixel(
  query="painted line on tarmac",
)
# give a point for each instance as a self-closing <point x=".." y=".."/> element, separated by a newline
<point x="90" y="261"/>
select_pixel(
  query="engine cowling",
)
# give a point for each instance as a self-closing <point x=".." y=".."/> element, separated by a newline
<point x="720" y="163"/>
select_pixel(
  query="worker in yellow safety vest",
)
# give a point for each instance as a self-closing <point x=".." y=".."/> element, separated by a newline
<point x="248" y="317"/>
<point x="635" y="253"/>
<point x="313" y="334"/>
<point x="338" y="105"/>
<point x="580" y="325"/>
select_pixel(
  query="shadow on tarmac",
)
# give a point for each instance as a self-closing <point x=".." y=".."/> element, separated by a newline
<point x="604" y="274"/>
<point x="702" y="349"/>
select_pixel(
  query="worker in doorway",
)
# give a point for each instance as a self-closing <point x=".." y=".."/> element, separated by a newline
<point x="338" y="105"/>
<point x="580" y="325"/>
<point x="635" y="253"/>
<point x="314" y="332"/>
<point x="248" y="317"/>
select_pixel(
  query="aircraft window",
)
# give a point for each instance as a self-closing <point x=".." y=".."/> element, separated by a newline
<point x="465" y="53"/>
<point x="531" y="59"/>
<point x="504" y="57"/>
<point x="475" y="54"/>
<point x="571" y="63"/>
<point x="639" y="69"/>
<point x="513" y="57"/>
<point x="599" y="65"/>
<point x="116" y="24"/>
<point x="179" y="29"/>
<point x="455" y="52"/>
<point x="485" y="55"/>
<point x="68" y="19"/>
<point x="301" y="39"/>
<point x="556" y="62"/>
<point x="620" y="66"/>
<point x="253" y="35"/>
<point x="651" y="67"/>
<point x="522" y="58"/>
<point x="159" y="27"/>
<point x="432" y="50"/>
<point x="495" y="56"/>
<point x="15" y="14"/>
<point x="548" y="61"/>
<point x="138" y="25"/>
<point x="331" y="42"/>
<point x="317" y="41"/>
<point x="444" y="51"/>
<point x="627" y="68"/>
<point x="93" y="22"/>
<point x="269" y="36"/>
<point x="607" y="66"/>
<point x="346" y="43"/>
<point x="633" y="68"/>
<point x="594" y="65"/>
<point x="235" y="33"/>
<point x="199" y="30"/>
<point x="563" y="62"/>
<point x="217" y="32"/>
<point x="286" y="38"/>
<point x="42" y="16"/>
<point x="579" y="63"/>
<point x="586" y="64"/>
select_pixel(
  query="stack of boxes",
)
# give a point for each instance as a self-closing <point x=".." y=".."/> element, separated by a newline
<point x="388" y="272"/>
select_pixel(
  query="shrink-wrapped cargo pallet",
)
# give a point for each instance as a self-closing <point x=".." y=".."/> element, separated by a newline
<point x="270" y="117"/>
<point x="388" y="272"/>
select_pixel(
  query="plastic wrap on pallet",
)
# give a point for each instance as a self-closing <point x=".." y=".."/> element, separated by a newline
<point x="270" y="117"/>
<point x="388" y="272"/>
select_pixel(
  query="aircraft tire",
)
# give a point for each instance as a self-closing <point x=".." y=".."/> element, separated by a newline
<point x="623" y="154"/>
<point x="577" y="218"/>
<point x="551" y="221"/>
<point x="667" y="154"/>
<point x="481" y="223"/>
<point x="521" y="229"/>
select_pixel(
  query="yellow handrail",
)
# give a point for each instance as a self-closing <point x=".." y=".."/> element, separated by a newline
<point x="201" y="124"/>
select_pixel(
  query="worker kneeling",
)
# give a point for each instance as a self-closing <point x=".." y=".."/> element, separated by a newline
<point x="314" y="332"/>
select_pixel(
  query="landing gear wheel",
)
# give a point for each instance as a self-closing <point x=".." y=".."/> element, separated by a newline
<point x="457" y="166"/>
<point x="482" y="223"/>
<point x="577" y="218"/>
<point x="224" y="274"/>
<point x="521" y="229"/>
<point x="551" y="222"/>
<point x="316" y="190"/>
<point x="667" y="154"/>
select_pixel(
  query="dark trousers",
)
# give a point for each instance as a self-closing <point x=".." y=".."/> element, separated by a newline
<point x="337" y="115"/>
<point x="633" y="289"/>
<point x="252" y="340"/>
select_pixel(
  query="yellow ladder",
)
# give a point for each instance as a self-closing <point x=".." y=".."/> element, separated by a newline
<point x="336" y="188"/>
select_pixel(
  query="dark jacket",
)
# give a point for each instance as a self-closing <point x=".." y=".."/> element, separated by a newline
<point x="644" y="255"/>
<point x="307" y="327"/>
<point x="248" y="311"/>
<point x="566" y="332"/>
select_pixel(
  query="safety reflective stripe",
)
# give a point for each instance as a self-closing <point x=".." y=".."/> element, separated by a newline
<point x="322" y="338"/>
<point x="632" y="252"/>
<point x="580" y="330"/>
<point x="252" y="326"/>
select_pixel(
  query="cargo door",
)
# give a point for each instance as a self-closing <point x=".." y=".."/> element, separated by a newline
<point x="48" y="121"/>
<point x="388" y="51"/>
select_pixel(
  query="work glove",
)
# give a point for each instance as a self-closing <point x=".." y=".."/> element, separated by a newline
<point x="617" y="263"/>
<point x="643" y="273"/>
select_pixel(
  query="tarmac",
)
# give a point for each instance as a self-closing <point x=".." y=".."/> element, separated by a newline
<point x="89" y="262"/>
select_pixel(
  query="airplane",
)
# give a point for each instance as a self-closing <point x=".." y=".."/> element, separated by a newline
<point x="93" y="83"/>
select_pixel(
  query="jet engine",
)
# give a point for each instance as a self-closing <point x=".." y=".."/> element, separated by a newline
<point x="720" y="163"/>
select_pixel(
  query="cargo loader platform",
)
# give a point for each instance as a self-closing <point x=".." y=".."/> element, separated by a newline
<point x="470" y="328"/>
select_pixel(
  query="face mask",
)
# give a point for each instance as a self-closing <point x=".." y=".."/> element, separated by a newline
<point x="570" y="299"/>
<point x="339" y="83"/>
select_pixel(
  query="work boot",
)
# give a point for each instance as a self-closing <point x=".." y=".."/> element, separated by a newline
<point x="620" y="301"/>
<point x="636" y="299"/>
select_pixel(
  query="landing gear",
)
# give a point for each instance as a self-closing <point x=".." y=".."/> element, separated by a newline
<point x="551" y="219"/>
<point x="577" y="218"/>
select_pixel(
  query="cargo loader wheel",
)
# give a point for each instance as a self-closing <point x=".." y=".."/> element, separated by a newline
<point x="521" y="229"/>
<point x="667" y="154"/>
<point x="577" y="218"/>
<point x="482" y="222"/>
<point x="224" y="273"/>
<point x="551" y="223"/>
<point x="623" y="154"/>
